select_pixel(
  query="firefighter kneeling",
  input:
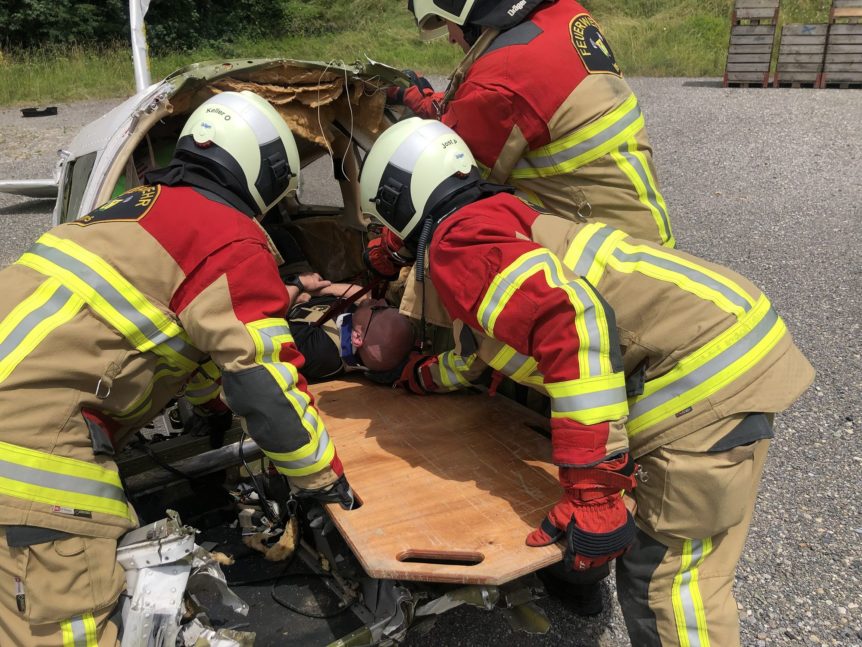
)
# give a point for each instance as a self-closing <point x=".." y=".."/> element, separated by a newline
<point x="647" y="355"/>
<point x="106" y="319"/>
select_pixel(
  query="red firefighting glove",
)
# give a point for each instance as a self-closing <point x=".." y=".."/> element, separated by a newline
<point x="591" y="515"/>
<point x="416" y="375"/>
<point x="382" y="256"/>
<point x="419" y="96"/>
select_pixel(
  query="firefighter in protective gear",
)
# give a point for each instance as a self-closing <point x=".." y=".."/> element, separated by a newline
<point x="690" y="355"/>
<point x="107" y="318"/>
<point x="542" y="103"/>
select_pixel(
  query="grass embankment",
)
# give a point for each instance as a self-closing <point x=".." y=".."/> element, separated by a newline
<point x="649" y="37"/>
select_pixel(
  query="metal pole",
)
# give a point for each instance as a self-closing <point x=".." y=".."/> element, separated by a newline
<point x="140" y="56"/>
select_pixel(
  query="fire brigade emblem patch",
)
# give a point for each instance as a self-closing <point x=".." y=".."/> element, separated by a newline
<point x="134" y="204"/>
<point x="592" y="47"/>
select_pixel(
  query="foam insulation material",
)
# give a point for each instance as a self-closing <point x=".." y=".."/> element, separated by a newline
<point x="310" y="100"/>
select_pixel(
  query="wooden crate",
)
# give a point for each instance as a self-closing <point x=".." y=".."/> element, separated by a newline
<point x="846" y="11"/>
<point x="842" y="67"/>
<point x="450" y="485"/>
<point x="755" y="12"/>
<point x="749" y="55"/>
<point x="800" y="56"/>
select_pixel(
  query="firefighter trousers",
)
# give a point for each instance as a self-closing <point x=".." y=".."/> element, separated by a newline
<point x="58" y="593"/>
<point x="694" y="510"/>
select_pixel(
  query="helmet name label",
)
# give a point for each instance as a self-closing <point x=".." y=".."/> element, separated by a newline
<point x="592" y="47"/>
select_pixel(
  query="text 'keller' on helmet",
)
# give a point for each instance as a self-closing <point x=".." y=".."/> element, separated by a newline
<point x="243" y="139"/>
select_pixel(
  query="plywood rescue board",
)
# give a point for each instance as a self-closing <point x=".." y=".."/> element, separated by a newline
<point x="450" y="485"/>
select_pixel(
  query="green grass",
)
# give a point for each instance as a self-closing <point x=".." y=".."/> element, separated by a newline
<point x="649" y="37"/>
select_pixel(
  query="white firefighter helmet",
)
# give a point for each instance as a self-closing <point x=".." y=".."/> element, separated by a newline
<point x="414" y="166"/>
<point x="243" y="139"/>
<point x="431" y="15"/>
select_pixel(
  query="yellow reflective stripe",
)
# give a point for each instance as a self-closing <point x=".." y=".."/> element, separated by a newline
<point x="532" y="196"/>
<point x="521" y="368"/>
<point x="50" y="306"/>
<point x="143" y="402"/>
<point x="688" y="275"/>
<point x="584" y="145"/>
<point x="80" y="631"/>
<point x="452" y="366"/>
<point x="590" y="319"/>
<point x="633" y="163"/>
<point x="709" y="369"/>
<point x="588" y="252"/>
<point x="57" y="480"/>
<point x="125" y="308"/>
<point x="589" y="400"/>
<point x="688" y="609"/>
<point x="269" y="335"/>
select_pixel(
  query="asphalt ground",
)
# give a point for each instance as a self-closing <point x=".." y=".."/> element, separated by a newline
<point x="767" y="182"/>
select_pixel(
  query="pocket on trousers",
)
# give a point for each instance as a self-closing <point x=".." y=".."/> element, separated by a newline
<point x="694" y="495"/>
<point x="68" y="577"/>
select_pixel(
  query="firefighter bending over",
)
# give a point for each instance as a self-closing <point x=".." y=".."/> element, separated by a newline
<point x="542" y="103"/>
<point x="647" y="355"/>
<point x="103" y="321"/>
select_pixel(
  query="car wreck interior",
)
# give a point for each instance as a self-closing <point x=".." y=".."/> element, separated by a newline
<point x="448" y="490"/>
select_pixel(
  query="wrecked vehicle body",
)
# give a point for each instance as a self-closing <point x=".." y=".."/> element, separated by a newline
<point x="364" y="589"/>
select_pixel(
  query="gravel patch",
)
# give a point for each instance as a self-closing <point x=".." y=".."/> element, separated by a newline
<point x="769" y="183"/>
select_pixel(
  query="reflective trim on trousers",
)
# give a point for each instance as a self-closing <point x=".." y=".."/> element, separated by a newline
<point x="584" y="145"/>
<point x="688" y="608"/>
<point x="80" y="631"/>
<point x="633" y="163"/>
<point x="31" y="321"/>
<point x="294" y="461"/>
<point x="112" y="297"/>
<point x="590" y="321"/>
<point x="60" y="481"/>
<point x="708" y="369"/>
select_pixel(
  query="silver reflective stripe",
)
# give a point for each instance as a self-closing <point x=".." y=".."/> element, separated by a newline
<point x="266" y="337"/>
<point x="557" y="281"/>
<point x="263" y="129"/>
<point x="693" y="274"/>
<point x="407" y="154"/>
<point x="644" y="174"/>
<point x="591" y="250"/>
<point x="307" y="461"/>
<point x="203" y="391"/>
<point x="61" y="482"/>
<point x="600" y="139"/>
<point x="51" y="307"/>
<point x="111" y="295"/>
<point x="708" y="370"/>
<point x="79" y="631"/>
<point x="515" y="364"/>
<point x="685" y="596"/>
<point x="584" y="401"/>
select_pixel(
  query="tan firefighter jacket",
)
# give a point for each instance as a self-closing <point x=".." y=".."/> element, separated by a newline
<point x="699" y="341"/>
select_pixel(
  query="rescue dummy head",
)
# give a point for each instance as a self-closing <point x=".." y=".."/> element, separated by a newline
<point x="382" y="336"/>
<point x="236" y="141"/>
<point x="413" y="175"/>
<point x="434" y="16"/>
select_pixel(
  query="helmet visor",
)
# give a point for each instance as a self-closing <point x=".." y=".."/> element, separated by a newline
<point x="431" y="15"/>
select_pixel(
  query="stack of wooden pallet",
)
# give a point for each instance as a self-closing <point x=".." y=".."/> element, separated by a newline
<point x="800" y="56"/>
<point x="751" y="40"/>
<point x="842" y="67"/>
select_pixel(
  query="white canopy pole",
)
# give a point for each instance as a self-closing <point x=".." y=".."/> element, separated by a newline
<point x="140" y="56"/>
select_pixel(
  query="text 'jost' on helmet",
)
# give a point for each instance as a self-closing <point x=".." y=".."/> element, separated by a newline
<point x="412" y="167"/>
<point x="244" y="139"/>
